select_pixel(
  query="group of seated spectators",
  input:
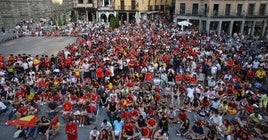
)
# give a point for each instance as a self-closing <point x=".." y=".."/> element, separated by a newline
<point x="147" y="77"/>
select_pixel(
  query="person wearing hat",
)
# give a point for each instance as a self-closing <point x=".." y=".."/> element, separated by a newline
<point x="94" y="134"/>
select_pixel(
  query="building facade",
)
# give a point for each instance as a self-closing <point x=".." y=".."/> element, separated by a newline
<point x="106" y="10"/>
<point x="86" y="9"/>
<point x="248" y="17"/>
<point x="14" y="11"/>
<point x="131" y="10"/>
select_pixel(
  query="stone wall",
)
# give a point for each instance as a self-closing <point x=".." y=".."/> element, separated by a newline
<point x="13" y="11"/>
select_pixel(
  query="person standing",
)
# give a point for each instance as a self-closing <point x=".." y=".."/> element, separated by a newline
<point x="71" y="130"/>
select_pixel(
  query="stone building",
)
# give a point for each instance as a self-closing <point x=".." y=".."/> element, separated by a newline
<point x="128" y="10"/>
<point x="14" y="11"/>
<point x="86" y="9"/>
<point x="248" y="17"/>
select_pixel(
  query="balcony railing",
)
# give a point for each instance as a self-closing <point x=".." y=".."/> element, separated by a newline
<point x="109" y="7"/>
<point x="83" y="5"/>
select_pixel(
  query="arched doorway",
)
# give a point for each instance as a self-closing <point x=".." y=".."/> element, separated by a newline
<point x="103" y="18"/>
<point x="110" y="17"/>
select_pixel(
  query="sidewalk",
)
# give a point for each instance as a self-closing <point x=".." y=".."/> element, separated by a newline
<point x="4" y="37"/>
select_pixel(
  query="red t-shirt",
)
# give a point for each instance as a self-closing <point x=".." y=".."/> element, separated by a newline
<point x="146" y="132"/>
<point x="71" y="131"/>
<point x="67" y="106"/>
<point x="135" y="113"/>
<point x="151" y="122"/>
<point x="183" y="116"/>
<point x="128" y="127"/>
<point x="23" y="110"/>
<point x="99" y="73"/>
<point x="126" y="115"/>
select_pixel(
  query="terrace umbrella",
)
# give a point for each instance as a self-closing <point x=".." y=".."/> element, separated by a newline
<point x="28" y="121"/>
<point x="184" y="23"/>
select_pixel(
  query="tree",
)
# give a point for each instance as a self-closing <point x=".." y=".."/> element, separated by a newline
<point x="64" y="19"/>
<point x="114" y="22"/>
<point x="59" y="21"/>
<point x="73" y="16"/>
<point x="54" y="22"/>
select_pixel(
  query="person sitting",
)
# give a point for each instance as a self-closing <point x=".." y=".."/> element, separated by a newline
<point x="52" y="108"/>
<point x="225" y="129"/>
<point x="161" y="134"/>
<point x="262" y="131"/>
<point x="107" y="126"/>
<point x="43" y="125"/>
<point x="118" y="127"/>
<point x="129" y="130"/>
<point x="232" y="108"/>
<point x="112" y="109"/>
<point x="152" y="123"/>
<point x="104" y="135"/>
<point x="146" y="133"/>
<point x="184" y="127"/>
<point x="171" y="113"/>
<point x="53" y="129"/>
<point x="140" y="123"/>
<point x="241" y="117"/>
<point x="94" y="134"/>
<point x="3" y="107"/>
<point x="67" y="108"/>
<point x="196" y="132"/>
<point x="215" y="119"/>
<point x="254" y="119"/>
<point x="211" y="133"/>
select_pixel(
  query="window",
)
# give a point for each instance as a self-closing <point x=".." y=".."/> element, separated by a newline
<point x="157" y="7"/>
<point x="182" y="8"/>
<point x="262" y="9"/>
<point x="122" y="4"/>
<point x="205" y="9"/>
<point x="227" y="9"/>
<point x="90" y="1"/>
<point x="251" y="9"/>
<point x="195" y="9"/>
<point x="162" y="8"/>
<point x="239" y="9"/>
<point x="105" y="3"/>
<point x="80" y="1"/>
<point x="216" y="10"/>
<point x="150" y="7"/>
<point x="133" y="5"/>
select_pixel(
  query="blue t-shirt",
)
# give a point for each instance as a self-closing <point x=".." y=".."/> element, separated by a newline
<point x="118" y="126"/>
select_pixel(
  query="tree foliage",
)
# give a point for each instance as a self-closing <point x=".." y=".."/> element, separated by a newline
<point x="114" y="22"/>
<point x="64" y="19"/>
<point x="59" y="21"/>
<point x="73" y="16"/>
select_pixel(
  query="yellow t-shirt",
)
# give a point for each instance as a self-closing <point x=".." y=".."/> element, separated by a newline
<point x="30" y="96"/>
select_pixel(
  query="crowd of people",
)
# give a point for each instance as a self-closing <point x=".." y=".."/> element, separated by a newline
<point x="146" y="77"/>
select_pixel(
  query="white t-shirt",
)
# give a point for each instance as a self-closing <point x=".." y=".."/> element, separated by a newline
<point x="94" y="133"/>
<point x="2" y="106"/>
<point x="86" y="67"/>
<point x="190" y="93"/>
<point x="106" y="126"/>
<point x="255" y="64"/>
<point x="214" y="69"/>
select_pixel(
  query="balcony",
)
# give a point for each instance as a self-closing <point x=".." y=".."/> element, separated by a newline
<point x="109" y="7"/>
<point x="84" y="5"/>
